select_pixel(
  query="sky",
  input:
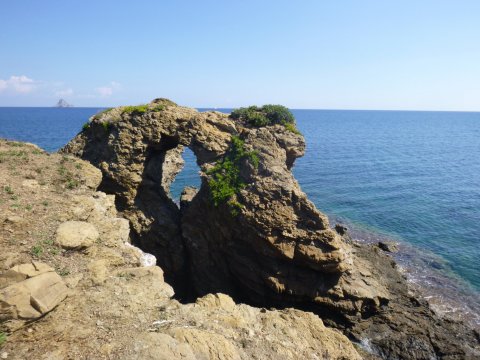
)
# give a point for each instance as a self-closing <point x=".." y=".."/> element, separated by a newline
<point x="345" y="54"/>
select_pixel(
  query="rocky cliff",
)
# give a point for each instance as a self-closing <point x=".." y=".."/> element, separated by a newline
<point x="73" y="287"/>
<point x="267" y="245"/>
<point x="276" y="249"/>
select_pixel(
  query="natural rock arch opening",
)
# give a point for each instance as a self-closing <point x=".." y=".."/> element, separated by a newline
<point x="187" y="178"/>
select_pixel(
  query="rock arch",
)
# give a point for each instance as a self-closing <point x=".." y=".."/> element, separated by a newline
<point x="279" y="250"/>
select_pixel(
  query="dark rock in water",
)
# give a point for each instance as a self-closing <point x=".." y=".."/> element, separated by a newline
<point x="388" y="246"/>
<point x="63" y="104"/>
<point x="267" y="245"/>
<point x="341" y="229"/>
<point x="437" y="265"/>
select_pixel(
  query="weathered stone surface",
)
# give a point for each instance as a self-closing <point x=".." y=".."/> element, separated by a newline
<point x="98" y="271"/>
<point x="33" y="269"/>
<point x="263" y="334"/>
<point x="156" y="346"/>
<point x="76" y="235"/>
<point x="29" y="298"/>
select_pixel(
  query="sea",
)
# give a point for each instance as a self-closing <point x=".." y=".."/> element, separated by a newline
<point x="409" y="177"/>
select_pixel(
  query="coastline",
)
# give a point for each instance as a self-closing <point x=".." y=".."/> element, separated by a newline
<point x="361" y="292"/>
<point x="447" y="294"/>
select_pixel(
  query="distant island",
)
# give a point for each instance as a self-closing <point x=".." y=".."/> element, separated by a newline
<point x="63" y="104"/>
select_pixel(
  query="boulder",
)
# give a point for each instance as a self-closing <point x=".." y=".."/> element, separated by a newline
<point x="76" y="235"/>
<point x="34" y="290"/>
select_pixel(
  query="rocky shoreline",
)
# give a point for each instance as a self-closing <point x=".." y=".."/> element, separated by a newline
<point x="267" y="246"/>
<point x="425" y="273"/>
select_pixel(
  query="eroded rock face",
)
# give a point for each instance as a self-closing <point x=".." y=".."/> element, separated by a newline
<point x="118" y="304"/>
<point x="277" y="250"/>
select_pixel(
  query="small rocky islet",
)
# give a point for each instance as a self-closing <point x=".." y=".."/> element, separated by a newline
<point x="246" y="266"/>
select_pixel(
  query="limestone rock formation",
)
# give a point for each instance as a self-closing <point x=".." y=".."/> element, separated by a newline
<point x="268" y="245"/>
<point x="76" y="235"/>
<point x="27" y="292"/>
<point x="119" y="306"/>
<point x="277" y="250"/>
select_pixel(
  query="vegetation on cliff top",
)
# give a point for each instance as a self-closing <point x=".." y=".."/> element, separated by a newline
<point x="142" y="109"/>
<point x="265" y="116"/>
<point x="225" y="179"/>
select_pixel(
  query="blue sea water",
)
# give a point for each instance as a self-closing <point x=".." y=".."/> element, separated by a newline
<point x="409" y="176"/>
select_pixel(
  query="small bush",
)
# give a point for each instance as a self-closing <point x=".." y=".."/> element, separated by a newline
<point x="106" y="125"/>
<point x="225" y="179"/>
<point x="86" y="126"/>
<point x="63" y="272"/>
<point x="37" y="250"/>
<point x="135" y="110"/>
<point x="72" y="184"/>
<point x="264" y="116"/>
<point x="292" y="128"/>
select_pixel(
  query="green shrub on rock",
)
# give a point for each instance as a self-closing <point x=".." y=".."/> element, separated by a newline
<point x="225" y="181"/>
<point x="135" y="110"/>
<point x="265" y="116"/>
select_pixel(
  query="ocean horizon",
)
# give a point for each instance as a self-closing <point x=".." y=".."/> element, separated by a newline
<point x="390" y="175"/>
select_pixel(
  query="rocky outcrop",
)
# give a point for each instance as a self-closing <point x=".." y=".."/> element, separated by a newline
<point x="76" y="235"/>
<point x="275" y="248"/>
<point x="118" y="304"/>
<point x="63" y="104"/>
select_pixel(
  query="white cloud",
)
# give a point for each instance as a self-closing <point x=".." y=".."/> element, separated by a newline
<point x="64" y="92"/>
<point x="108" y="90"/>
<point x="18" y="84"/>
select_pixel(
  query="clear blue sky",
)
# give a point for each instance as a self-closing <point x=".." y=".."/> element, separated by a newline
<point x="350" y="54"/>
